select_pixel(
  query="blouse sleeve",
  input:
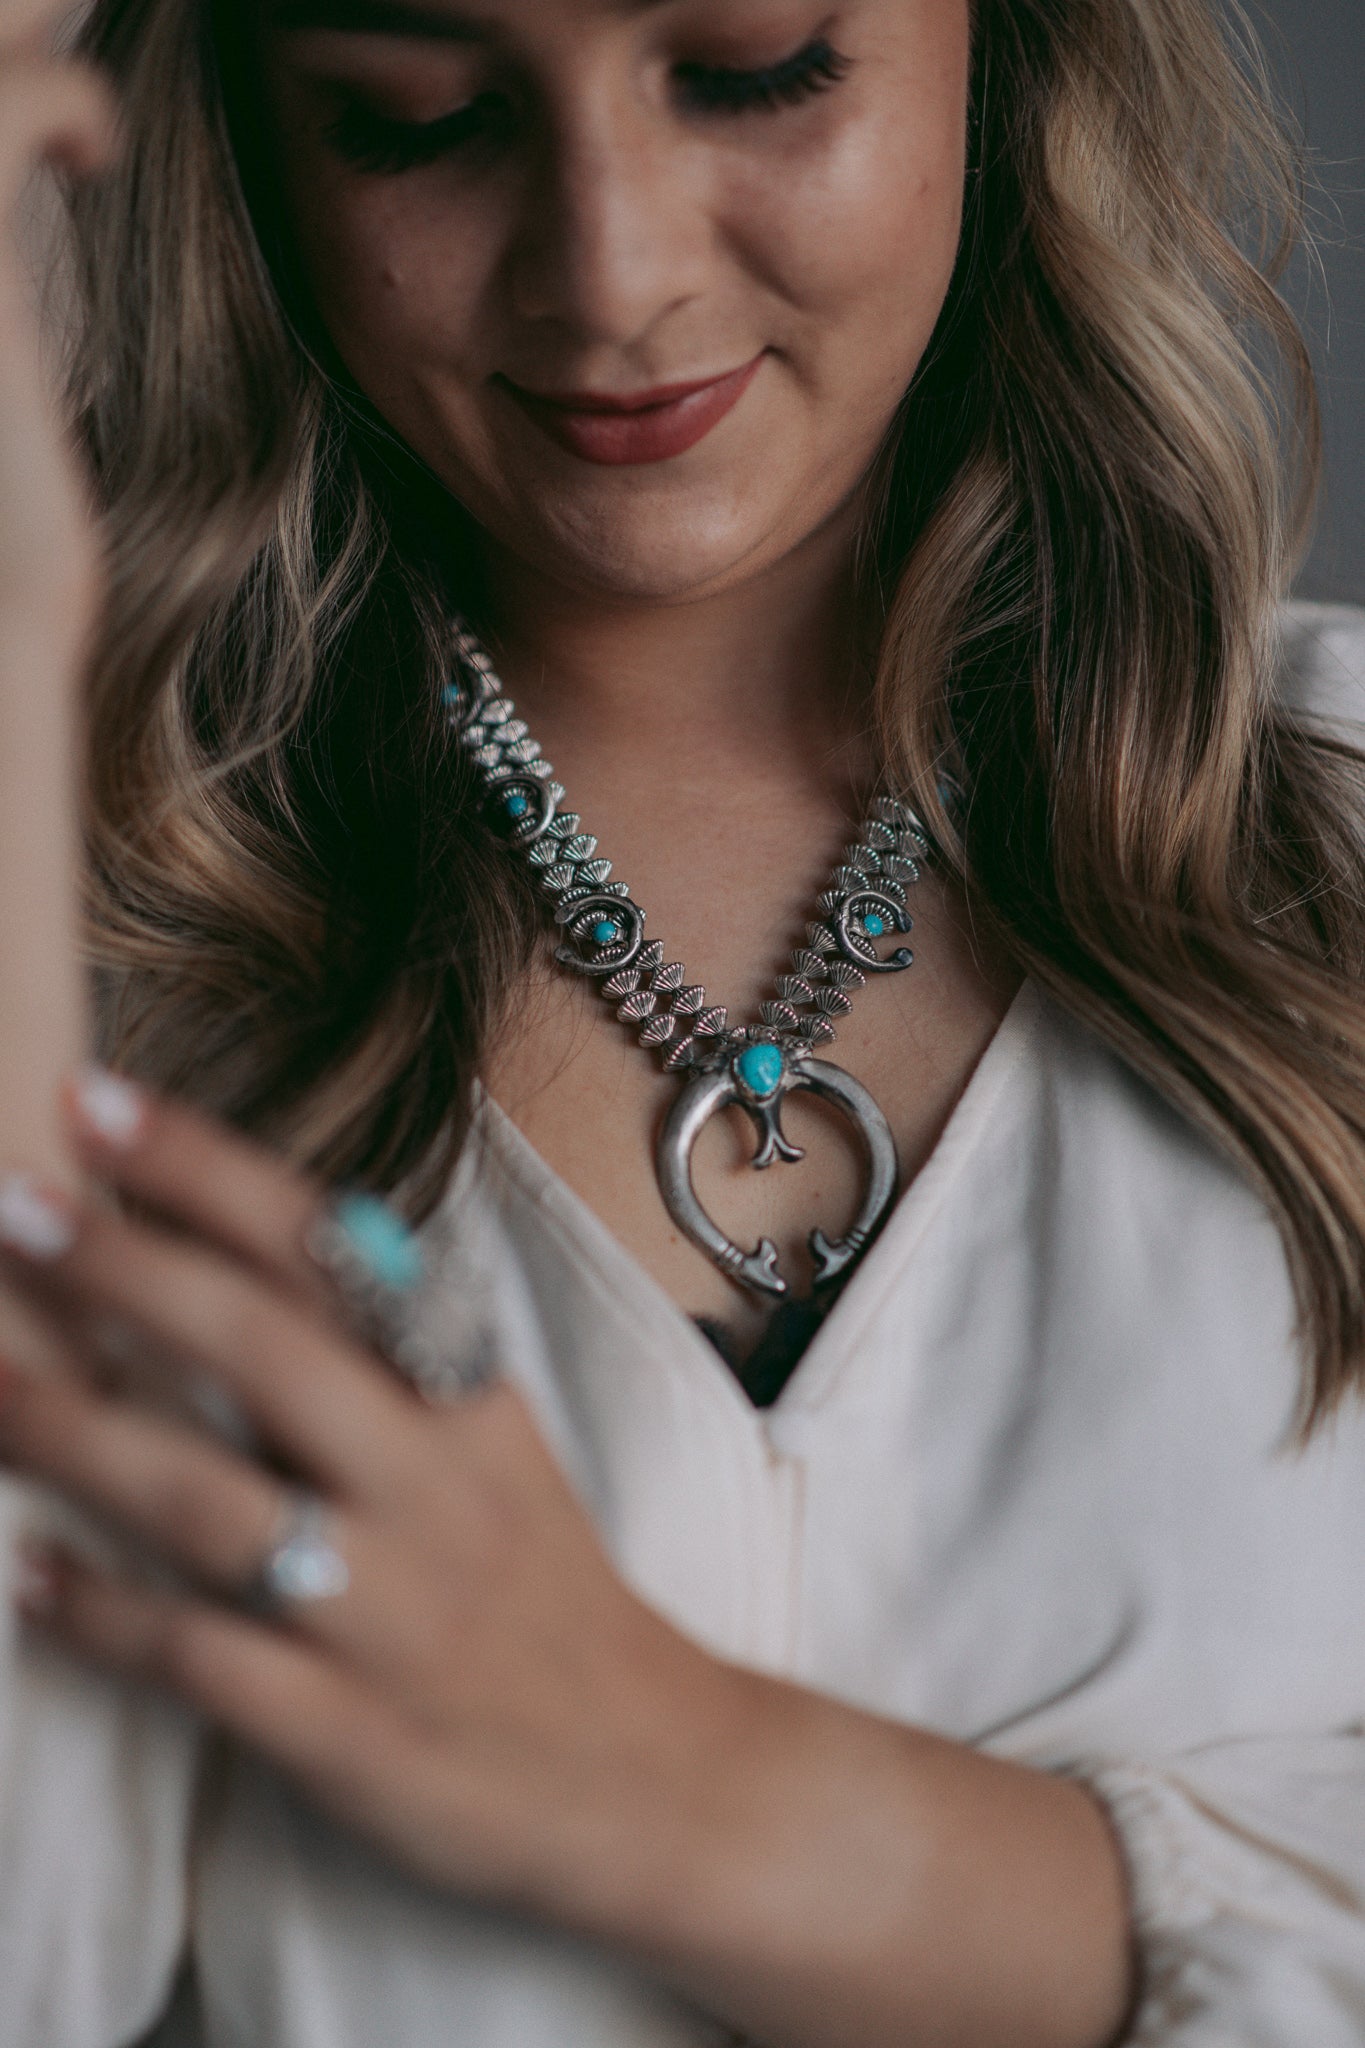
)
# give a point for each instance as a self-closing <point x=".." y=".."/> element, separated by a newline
<point x="1246" y="1865"/>
<point x="96" y="1788"/>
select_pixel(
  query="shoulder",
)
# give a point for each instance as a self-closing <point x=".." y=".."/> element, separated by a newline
<point x="1323" y="661"/>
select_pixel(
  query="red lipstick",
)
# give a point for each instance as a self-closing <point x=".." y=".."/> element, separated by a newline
<point x="635" y="426"/>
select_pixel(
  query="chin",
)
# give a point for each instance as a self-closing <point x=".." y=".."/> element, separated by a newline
<point x="656" y="547"/>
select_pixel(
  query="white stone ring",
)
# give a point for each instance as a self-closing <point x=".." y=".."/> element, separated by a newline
<point x="303" y="1564"/>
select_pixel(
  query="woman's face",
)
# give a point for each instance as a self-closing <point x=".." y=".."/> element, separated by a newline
<point x="642" y="281"/>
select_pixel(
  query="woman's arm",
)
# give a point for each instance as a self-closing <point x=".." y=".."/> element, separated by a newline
<point x="49" y="113"/>
<point x="42" y="1012"/>
<point x="831" y="1879"/>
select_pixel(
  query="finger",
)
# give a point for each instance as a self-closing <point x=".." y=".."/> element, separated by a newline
<point x="27" y="25"/>
<point x="39" y="1334"/>
<point x="160" y="1481"/>
<point x="195" y="1171"/>
<point x="280" y="1693"/>
<point x="219" y="1517"/>
<point x="313" y="1395"/>
<point x="200" y="1173"/>
<point x="55" y="113"/>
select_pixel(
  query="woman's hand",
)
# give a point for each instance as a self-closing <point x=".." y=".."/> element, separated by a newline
<point x="484" y="1698"/>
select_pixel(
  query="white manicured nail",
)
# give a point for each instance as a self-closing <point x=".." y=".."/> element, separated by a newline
<point x="113" y="1108"/>
<point x="33" y="1221"/>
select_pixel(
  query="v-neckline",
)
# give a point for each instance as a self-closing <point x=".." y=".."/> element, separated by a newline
<point x="817" y="1370"/>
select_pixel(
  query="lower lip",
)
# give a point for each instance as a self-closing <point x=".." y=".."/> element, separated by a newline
<point x="649" y="433"/>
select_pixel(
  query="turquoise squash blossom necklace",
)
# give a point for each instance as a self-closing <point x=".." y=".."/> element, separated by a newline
<point x="756" y="1066"/>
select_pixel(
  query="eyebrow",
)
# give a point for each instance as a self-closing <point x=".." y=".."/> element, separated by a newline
<point x="376" y="18"/>
<point x="389" y="18"/>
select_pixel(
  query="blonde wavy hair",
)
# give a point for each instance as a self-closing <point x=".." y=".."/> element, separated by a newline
<point x="1087" y="512"/>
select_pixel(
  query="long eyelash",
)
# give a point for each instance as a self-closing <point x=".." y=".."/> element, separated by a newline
<point x="375" y="142"/>
<point x="718" y="89"/>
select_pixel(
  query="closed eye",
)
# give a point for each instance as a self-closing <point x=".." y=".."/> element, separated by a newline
<point x="721" y="89"/>
<point x="377" y="142"/>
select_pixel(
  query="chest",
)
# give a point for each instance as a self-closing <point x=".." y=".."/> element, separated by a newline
<point x="591" y="1103"/>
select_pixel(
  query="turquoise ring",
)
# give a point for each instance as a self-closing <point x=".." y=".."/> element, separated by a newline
<point x="365" y="1244"/>
<point x="377" y="1267"/>
<point x="371" y="1257"/>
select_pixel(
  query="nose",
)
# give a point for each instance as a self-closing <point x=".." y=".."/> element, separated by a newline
<point x="615" y="231"/>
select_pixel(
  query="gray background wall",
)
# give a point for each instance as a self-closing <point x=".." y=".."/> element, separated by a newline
<point x="1318" y="47"/>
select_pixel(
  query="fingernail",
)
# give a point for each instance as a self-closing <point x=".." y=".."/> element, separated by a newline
<point x="34" y="1580"/>
<point x="110" y="1106"/>
<point x="35" y="1221"/>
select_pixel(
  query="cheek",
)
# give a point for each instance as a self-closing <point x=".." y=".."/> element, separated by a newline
<point x="398" y="282"/>
<point x="861" y="247"/>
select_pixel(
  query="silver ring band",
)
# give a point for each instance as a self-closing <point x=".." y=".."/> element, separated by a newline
<point x="302" y="1565"/>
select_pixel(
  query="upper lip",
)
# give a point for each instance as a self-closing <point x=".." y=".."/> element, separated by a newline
<point x="623" y="401"/>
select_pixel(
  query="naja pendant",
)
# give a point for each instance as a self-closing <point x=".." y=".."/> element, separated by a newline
<point x="759" y="1077"/>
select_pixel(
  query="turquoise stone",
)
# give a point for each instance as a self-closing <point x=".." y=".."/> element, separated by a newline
<point x="605" y="931"/>
<point x="381" y="1239"/>
<point x="874" y="925"/>
<point x="516" y="805"/>
<point x="760" y="1067"/>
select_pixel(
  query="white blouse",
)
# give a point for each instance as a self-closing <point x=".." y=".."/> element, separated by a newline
<point x="1029" y="1487"/>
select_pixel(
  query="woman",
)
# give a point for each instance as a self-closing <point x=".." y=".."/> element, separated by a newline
<point x="840" y="425"/>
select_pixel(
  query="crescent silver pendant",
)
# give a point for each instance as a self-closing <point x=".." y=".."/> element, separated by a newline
<point x="708" y="1093"/>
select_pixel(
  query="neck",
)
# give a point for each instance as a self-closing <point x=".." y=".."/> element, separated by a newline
<point x="766" y="667"/>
